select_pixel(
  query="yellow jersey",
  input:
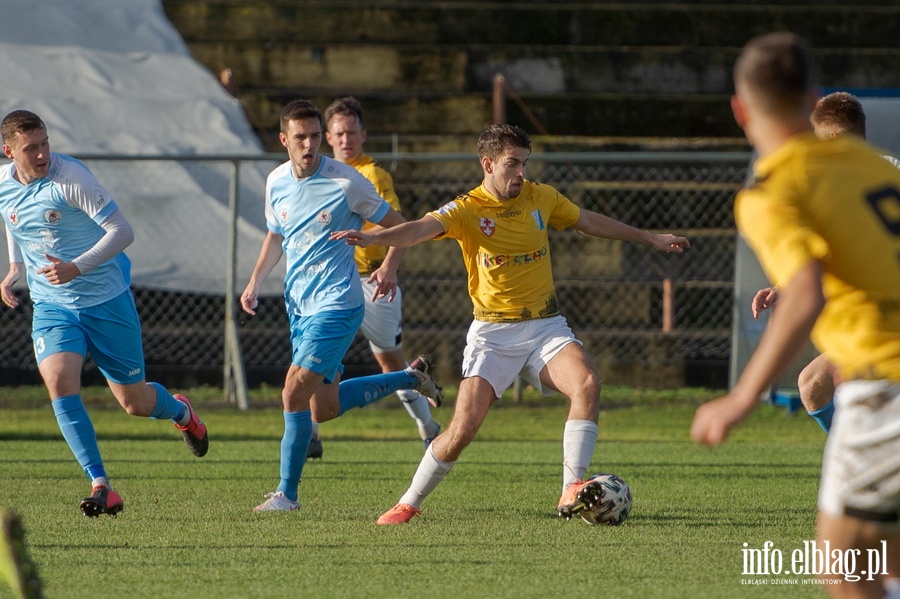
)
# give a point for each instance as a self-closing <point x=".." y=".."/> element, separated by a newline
<point x="506" y="250"/>
<point x="838" y="202"/>
<point x="370" y="258"/>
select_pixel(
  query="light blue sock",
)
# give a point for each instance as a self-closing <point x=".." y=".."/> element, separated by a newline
<point x="78" y="431"/>
<point x="297" y="433"/>
<point x="167" y="407"/>
<point x="361" y="391"/>
<point x="824" y="415"/>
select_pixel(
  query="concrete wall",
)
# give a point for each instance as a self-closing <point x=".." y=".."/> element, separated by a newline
<point x="579" y="68"/>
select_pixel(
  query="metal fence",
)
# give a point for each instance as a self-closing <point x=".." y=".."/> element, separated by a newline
<point x="647" y="318"/>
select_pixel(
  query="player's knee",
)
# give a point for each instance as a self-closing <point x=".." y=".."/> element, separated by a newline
<point x="592" y="385"/>
<point x="815" y="385"/>
<point x="299" y="386"/>
<point x="588" y="389"/>
<point x="585" y="399"/>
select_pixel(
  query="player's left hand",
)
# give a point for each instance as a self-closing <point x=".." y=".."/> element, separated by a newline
<point x="672" y="244"/>
<point x="58" y="272"/>
<point x="385" y="280"/>
<point x="715" y="419"/>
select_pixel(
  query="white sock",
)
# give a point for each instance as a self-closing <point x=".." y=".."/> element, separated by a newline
<point x="579" y="441"/>
<point x="101" y="481"/>
<point x="429" y="474"/>
<point x="315" y="429"/>
<point x="187" y="414"/>
<point x="419" y="410"/>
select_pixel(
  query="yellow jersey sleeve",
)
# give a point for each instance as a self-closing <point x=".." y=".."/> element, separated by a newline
<point x="370" y="258"/>
<point x="778" y="228"/>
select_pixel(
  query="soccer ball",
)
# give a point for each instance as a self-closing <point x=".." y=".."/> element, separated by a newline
<point x="612" y="504"/>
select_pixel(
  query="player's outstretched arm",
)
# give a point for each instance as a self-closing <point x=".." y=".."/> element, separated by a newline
<point x="598" y="225"/>
<point x="269" y="255"/>
<point x="789" y="328"/>
<point x="764" y="299"/>
<point x="404" y="235"/>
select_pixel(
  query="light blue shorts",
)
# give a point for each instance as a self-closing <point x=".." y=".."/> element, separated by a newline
<point x="110" y="331"/>
<point x="321" y="340"/>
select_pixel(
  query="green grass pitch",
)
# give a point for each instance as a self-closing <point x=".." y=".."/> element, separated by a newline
<point x="489" y="530"/>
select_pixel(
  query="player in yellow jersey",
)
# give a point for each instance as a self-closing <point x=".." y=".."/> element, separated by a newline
<point x="382" y="324"/>
<point x="502" y="227"/>
<point x="16" y="566"/>
<point x="824" y="219"/>
<point x="838" y="113"/>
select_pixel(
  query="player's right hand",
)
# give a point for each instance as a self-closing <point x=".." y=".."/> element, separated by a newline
<point x="715" y="419"/>
<point x="250" y="299"/>
<point x="6" y="286"/>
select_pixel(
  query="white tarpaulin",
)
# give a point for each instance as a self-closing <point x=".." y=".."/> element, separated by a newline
<point x="113" y="77"/>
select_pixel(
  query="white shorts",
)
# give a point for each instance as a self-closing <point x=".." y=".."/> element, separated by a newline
<point x="382" y="324"/>
<point x="499" y="352"/>
<point x="861" y="467"/>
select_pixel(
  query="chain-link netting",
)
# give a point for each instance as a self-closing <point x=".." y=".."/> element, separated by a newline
<point x="644" y="316"/>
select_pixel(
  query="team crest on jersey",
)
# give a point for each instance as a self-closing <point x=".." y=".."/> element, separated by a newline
<point x="487" y="226"/>
<point x="284" y="216"/>
<point x="13" y="218"/>
<point x="53" y="216"/>
<point x="323" y="217"/>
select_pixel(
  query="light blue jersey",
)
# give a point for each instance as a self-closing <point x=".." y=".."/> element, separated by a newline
<point x="60" y="215"/>
<point x="321" y="274"/>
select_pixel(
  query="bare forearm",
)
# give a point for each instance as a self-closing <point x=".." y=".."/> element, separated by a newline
<point x="269" y="255"/>
<point x="393" y="257"/>
<point x="409" y="233"/>
<point x="799" y="307"/>
<point x="602" y="226"/>
<point x="787" y="332"/>
<point x="597" y="225"/>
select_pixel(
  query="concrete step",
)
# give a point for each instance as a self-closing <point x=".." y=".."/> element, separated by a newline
<point x="835" y="24"/>
<point x="605" y="69"/>
<point x="546" y="69"/>
<point x="610" y="115"/>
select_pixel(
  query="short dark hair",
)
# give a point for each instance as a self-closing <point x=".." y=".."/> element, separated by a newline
<point x="840" y="112"/>
<point x="299" y="110"/>
<point x="347" y="106"/>
<point x="17" y="121"/>
<point x="778" y="71"/>
<point x="496" y="139"/>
